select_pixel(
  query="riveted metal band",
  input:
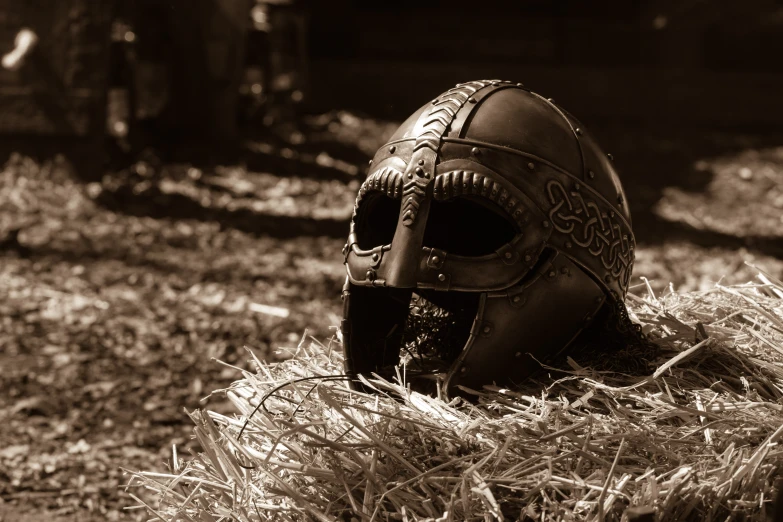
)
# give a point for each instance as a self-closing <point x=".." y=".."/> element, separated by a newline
<point x="474" y="102"/>
<point x="576" y="130"/>
<point x="585" y="226"/>
<point x="431" y="127"/>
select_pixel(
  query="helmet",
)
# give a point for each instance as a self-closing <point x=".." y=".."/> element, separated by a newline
<point x="490" y="228"/>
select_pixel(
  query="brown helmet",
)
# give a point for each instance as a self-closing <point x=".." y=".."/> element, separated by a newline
<point x="491" y="227"/>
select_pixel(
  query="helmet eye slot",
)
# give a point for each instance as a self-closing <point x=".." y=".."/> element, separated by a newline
<point x="376" y="220"/>
<point x="467" y="226"/>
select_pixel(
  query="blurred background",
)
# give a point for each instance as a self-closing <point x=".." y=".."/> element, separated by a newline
<point x="178" y="176"/>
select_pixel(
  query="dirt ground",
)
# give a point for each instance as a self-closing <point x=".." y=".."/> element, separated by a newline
<point x="119" y="296"/>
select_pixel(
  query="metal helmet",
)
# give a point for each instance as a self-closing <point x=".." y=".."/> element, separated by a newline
<point x="490" y="228"/>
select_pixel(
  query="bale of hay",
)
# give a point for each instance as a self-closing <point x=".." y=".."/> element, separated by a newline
<point x="694" y="437"/>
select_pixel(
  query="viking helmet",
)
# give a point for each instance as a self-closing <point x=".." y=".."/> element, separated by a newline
<point x="489" y="233"/>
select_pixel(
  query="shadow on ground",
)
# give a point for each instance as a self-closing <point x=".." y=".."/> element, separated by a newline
<point x="336" y="147"/>
<point x="653" y="160"/>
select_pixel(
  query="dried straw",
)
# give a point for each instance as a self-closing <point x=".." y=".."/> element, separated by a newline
<point x="693" y="436"/>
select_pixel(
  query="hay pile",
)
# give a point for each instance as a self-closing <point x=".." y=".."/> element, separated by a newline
<point x="693" y="436"/>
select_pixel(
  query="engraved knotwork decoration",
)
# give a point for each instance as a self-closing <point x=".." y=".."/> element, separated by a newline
<point x="464" y="182"/>
<point x="436" y="122"/>
<point x="589" y="225"/>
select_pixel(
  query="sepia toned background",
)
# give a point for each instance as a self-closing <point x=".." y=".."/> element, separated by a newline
<point x="178" y="177"/>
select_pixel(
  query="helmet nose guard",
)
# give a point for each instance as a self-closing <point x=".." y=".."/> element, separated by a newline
<point x="482" y="147"/>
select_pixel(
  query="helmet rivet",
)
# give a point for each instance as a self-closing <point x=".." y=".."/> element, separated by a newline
<point x="487" y="329"/>
<point x="531" y="165"/>
<point x="508" y="255"/>
<point x="518" y="354"/>
<point x="464" y="369"/>
<point x="410" y="175"/>
<point x="421" y="162"/>
<point x="545" y="224"/>
<point x="552" y="273"/>
<point x="435" y="259"/>
<point x="528" y="258"/>
<point x="598" y="299"/>
<point x="419" y="171"/>
<point x="568" y="244"/>
<point x="520" y="84"/>
<point x="577" y="186"/>
<point x="564" y="270"/>
<point x="608" y="278"/>
<point x="611" y="158"/>
<point x="611" y="214"/>
<point x="375" y="256"/>
<point x="550" y="100"/>
<point x="516" y="299"/>
<point x="494" y="84"/>
<point x="619" y="199"/>
<point x="392" y="149"/>
<point x="475" y="151"/>
<point x="625" y="237"/>
<point x="591" y="174"/>
<point x="371" y="275"/>
<point x="441" y="277"/>
<point x="578" y="131"/>
<point x="370" y="162"/>
<point x="434" y="101"/>
<point x="472" y="100"/>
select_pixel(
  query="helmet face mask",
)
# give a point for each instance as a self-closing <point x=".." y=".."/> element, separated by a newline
<point x="484" y="234"/>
